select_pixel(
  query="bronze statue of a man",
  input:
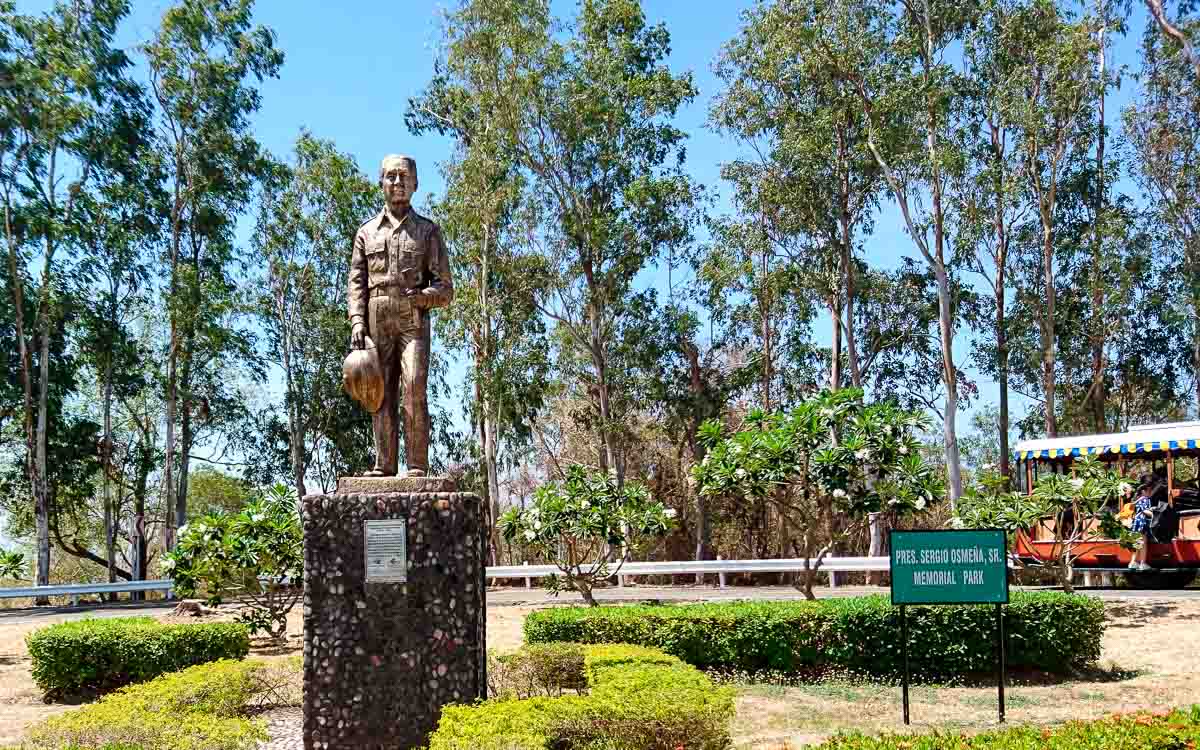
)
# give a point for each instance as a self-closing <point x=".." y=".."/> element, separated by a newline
<point x="399" y="270"/>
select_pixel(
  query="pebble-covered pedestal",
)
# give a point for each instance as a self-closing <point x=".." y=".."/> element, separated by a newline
<point x="382" y="658"/>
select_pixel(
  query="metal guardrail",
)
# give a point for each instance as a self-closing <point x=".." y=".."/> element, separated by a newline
<point x="719" y="567"/>
<point x="526" y="572"/>
<point x="76" y="590"/>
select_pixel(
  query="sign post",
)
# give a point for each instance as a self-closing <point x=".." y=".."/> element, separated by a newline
<point x="951" y="567"/>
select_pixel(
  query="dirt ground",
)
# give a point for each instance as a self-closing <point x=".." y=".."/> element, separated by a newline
<point x="1150" y="660"/>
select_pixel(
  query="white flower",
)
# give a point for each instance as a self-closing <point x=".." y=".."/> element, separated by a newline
<point x="862" y="454"/>
<point x="537" y="525"/>
<point x="670" y="512"/>
<point x="585" y="504"/>
<point x="920" y="503"/>
<point x="839" y="493"/>
<point x="182" y="530"/>
<point x="168" y="564"/>
<point x="740" y="473"/>
<point x="903" y="450"/>
<point x="988" y="467"/>
<point x="1124" y="487"/>
<point x="1077" y="483"/>
<point x="739" y="449"/>
<point x="529" y="535"/>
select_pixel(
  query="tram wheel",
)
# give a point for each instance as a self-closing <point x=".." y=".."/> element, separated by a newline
<point x="1176" y="579"/>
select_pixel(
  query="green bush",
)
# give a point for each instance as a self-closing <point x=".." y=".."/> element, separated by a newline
<point x="1047" y="631"/>
<point x="637" y="698"/>
<point x="200" y="708"/>
<point x="94" y="656"/>
<point x="1173" y="730"/>
<point x="546" y="669"/>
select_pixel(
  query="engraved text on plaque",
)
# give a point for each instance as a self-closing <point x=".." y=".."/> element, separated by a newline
<point x="387" y="560"/>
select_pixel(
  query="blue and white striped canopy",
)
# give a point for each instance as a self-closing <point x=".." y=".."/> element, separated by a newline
<point x="1182" y="436"/>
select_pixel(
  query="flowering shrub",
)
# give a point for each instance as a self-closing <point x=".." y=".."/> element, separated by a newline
<point x="825" y="466"/>
<point x="579" y="521"/>
<point x="1077" y="507"/>
<point x="257" y="553"/>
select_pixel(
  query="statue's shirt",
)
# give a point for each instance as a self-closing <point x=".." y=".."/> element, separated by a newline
<point x="392" y="257"/>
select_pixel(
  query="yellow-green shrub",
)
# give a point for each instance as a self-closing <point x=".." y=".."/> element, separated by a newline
<point x="1167" y="730"/>
<point x="637" y="698"/>
<point x="200" y="708"/>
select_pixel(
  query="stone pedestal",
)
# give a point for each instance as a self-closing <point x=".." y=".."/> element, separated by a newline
<point x="383" y="655"/>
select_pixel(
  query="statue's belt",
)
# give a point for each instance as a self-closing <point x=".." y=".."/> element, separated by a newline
<point x="392" y="290"/>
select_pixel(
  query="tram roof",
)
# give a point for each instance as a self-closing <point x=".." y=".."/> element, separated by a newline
<point x="1178" y="436"/>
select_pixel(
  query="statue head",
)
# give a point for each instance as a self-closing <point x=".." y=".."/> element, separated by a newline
<point x="398" y="178"/>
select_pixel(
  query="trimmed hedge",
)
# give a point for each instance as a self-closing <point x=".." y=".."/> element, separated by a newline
<point x="637" y="698"/>
<point x="1167" y="730"/>
<point x="94" y="656"/>
<point x="200" y="708"/>
<point x="1047" y="631"/>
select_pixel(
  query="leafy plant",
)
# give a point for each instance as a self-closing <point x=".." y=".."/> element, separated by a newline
<point x="12" y="565"/>
<point x="257" y="553"/>
<point x="200" y="708"/>
<point x="1047" y="631"/>
<point x="1179" y="728"/>
<point x="1074" y="508"/>
<point x="636" y="698"/>
<point x="825" y="466"/>
<point x="579" y="521"/>
<point x="98" y="655"/>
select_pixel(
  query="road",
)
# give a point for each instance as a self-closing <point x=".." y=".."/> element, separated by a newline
<point x="509" y="596"/>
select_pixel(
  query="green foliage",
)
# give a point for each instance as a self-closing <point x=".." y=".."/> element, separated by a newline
<point x="259" y="551"/>
<point x="575" y="522"/>
<point x="12" y="564"/>
<point x="1047" y="631"/>
<point x="541" y="669"/>
<point x="97" y="655"/>
<point x="1179" y="728"/>
<point x="199" y="708"/>
<point x="1091" y="492"/>
<point x="637" y="699"/>
<point x="833" y="456"/>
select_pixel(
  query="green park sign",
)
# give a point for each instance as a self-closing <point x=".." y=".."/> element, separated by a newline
<point x="968" y="566"/>
<point x="949" y="567"/>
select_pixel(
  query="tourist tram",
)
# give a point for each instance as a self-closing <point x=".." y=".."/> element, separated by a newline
<point x="1173" y="448"/>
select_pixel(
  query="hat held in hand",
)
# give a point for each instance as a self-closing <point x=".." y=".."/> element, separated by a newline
<point x="363" y="377"/>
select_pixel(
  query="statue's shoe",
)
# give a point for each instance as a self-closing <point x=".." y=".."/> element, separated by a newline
<point x="375" y="473"/>
<point x="415" y="473"/>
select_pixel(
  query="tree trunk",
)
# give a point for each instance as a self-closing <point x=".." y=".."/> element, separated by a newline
<point x="42" y="488"/>
<point x="110" y="520"/>
<point x="489" y="435"/>
<point x="847" y="272"/>
<point x="950" y="375"/>
<point x="1002" y="367"/>
<point x="600" y="362"/>
<point x="875" y="527"/>
<point x="169" y="457"/>
<point x="835" y="349"/>
<point x="1096" y="395"/>
<point x="186" y="437"/>
<point x="1048" y="375"/>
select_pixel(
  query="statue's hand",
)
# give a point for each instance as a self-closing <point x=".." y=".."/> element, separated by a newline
<point x="358" y="336"/>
